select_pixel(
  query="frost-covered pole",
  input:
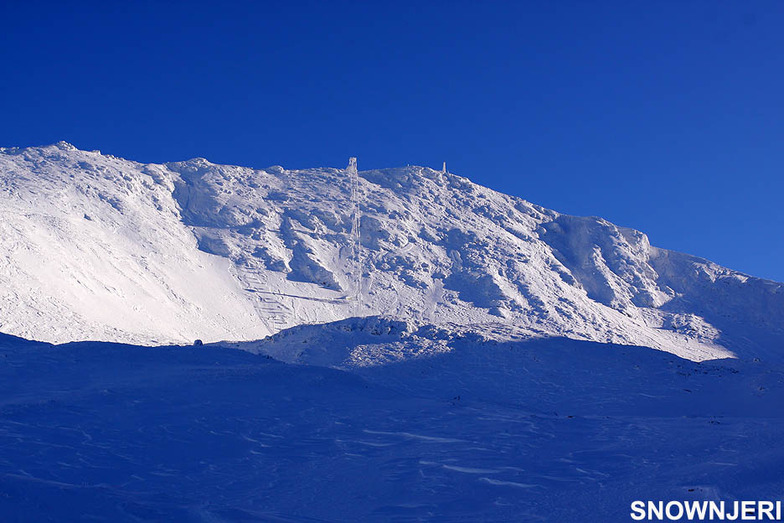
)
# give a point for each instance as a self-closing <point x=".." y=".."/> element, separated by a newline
<point x="356" y="246"/>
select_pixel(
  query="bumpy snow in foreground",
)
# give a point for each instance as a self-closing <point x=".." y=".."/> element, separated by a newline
<point x="532" y="430"/>
<point x="94" y="247"/>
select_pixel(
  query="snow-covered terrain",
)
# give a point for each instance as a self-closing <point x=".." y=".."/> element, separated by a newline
<point x="531" y="430"/>
<point x="496" y="361"/>
<point x="94" y="247"/>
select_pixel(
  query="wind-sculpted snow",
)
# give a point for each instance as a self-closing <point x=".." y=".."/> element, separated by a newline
<point x="96" y="247"/>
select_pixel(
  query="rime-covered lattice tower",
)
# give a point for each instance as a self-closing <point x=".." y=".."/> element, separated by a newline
<point x="356" y="247"/>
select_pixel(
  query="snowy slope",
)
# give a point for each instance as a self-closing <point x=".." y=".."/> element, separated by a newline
<point x="93" y="248"/>
<point x="96" y="247"/>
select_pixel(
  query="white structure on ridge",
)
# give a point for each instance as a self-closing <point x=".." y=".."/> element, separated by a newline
<point x="356" y="245"/>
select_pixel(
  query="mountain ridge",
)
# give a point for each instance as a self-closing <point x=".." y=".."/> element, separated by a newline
<point x="98" y="247"/>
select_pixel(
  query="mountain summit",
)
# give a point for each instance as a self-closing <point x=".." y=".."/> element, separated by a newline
<point x="97" y="247"/>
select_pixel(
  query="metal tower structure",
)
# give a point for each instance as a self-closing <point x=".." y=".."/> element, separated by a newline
<point x="356" y="245"/>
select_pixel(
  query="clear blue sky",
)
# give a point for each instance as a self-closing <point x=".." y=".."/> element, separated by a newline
<point x="665" y="116"/>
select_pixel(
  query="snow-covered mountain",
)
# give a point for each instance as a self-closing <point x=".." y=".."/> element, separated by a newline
<point x="98" y="247"/>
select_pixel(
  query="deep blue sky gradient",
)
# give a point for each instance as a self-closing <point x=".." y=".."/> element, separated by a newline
<point x="663" y="116"/>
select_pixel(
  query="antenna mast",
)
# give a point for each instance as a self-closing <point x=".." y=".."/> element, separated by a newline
<point x="356" y="246"/>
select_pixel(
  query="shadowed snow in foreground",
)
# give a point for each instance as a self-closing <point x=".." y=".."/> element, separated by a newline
<point x="548" y="429"/>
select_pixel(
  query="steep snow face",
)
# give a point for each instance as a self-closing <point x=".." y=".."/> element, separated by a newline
<point x="93" y="247"/>
<point x="98" y="247"/>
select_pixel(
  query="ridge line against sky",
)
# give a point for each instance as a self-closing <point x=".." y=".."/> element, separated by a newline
<point x="361" y="170"/>
<point x="666" y="118"/>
